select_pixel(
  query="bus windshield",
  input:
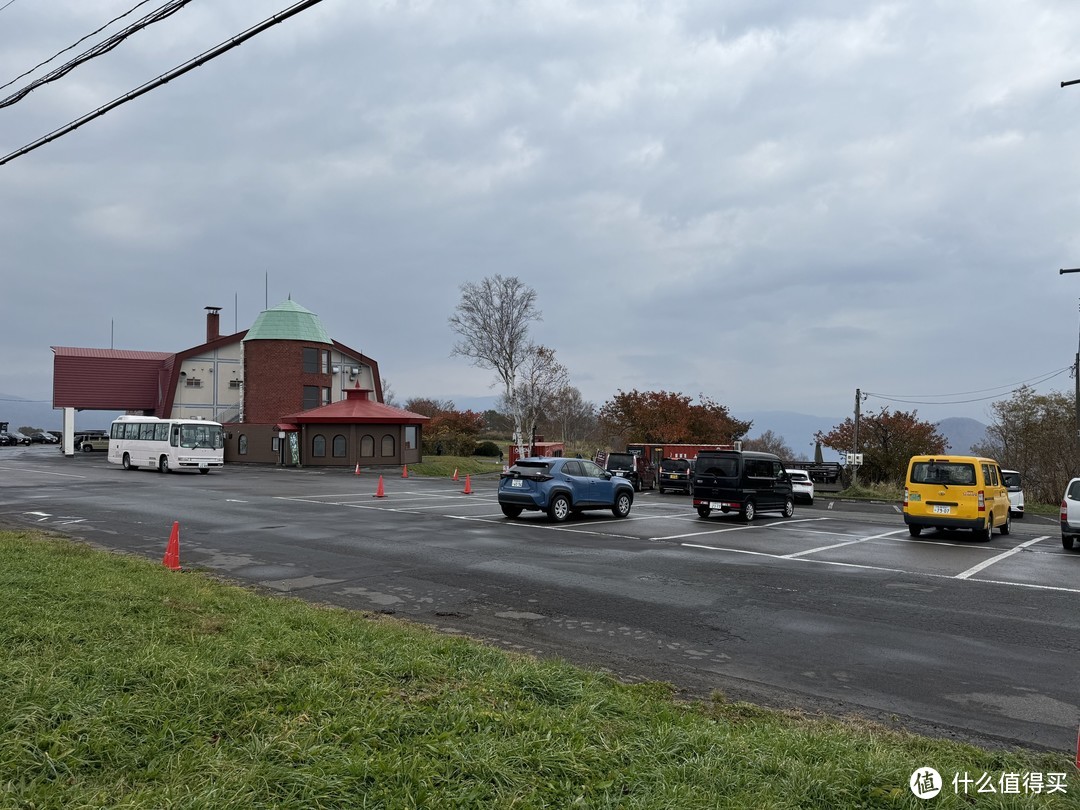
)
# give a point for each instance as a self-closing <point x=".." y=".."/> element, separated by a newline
<point x="210" y="436"/>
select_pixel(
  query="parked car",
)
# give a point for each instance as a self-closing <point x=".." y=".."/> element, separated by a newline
<point x="1070" y="514"/>
<point x="43" y="438"/>
<point x="802" y="486"/>
<point x="91" y="443"/>
<point x="1014" y="483"/>
<point x="17" y="438"/>
<point x="676" y="474"/>
<point x="742" y="481"/>
<point x="7" y="440"/>
<point x="956" y="492"/>
<point x="634" y="468"/>
<point x="561" y="487"/>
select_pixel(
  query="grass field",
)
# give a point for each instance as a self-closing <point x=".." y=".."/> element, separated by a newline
<point x="126" y="685"/>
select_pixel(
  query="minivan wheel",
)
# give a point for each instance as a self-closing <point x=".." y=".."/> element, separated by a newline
<point x="622" y="505"/>
<point x="703" y="511"/>
<point x="559" y="508"/>
<point x="914" y="530"/>
<point x="1067" y="542"/>
<point x="789" y="507"/>
<point x="749" y="510"/>
<point x="1006" y="527"/>
<point x="984" y="534"/>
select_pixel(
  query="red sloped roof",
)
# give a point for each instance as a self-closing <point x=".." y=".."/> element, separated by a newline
<point x="355" y="410"/>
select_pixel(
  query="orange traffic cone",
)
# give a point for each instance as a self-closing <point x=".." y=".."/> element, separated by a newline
<point x="405" y="471"/>
<point x="172" y="552"/>
<point x="468" y="486"/>
<point x="379" y="491"/>
<point x="454" y="476"/>
<point x="357" y="470"/>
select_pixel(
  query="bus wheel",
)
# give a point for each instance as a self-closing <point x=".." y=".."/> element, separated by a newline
<point x="126" y="463"/>
<point x="163" y="464"/>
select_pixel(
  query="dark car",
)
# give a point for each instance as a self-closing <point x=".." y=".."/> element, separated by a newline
<point x="43" y="438"/>
<point x="561" y="487"/>
<point x="17" y="438"/>
<point x="8" y="440"/>
<point x="635" y="469"/>
<point x="742" y="481"/>
<point x="676" y="474"/>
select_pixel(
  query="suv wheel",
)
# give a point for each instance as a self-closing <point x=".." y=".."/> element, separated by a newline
<point x="1067" y="542"/>
<point x="703" y="511"/>
<point x="748" y="511"/>
<point x="622" y="504"/>
<point x="559" y="508"/>
<point x="510" y="511"/>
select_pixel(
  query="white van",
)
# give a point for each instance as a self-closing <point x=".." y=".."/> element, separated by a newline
<point x="1015" y="485"/>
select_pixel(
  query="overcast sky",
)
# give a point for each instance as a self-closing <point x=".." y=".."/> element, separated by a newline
<point x="766" y="202"/>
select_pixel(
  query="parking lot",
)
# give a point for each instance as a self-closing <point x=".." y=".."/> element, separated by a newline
<point x="835" y="608"/>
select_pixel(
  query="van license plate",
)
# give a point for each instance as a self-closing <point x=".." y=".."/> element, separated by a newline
<point x="941" y="510"/>
<point x="715" y="505"/>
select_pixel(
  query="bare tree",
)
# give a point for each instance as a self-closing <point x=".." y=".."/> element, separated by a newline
<point x="574" y="418"/>
<point x="387" y="392"/>
<point x="769" y="442"/>
<point x="540" y="378"/>
<point x="492" y="319"/>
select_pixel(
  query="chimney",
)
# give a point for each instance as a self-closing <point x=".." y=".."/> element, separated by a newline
<point x="213" y="328"/>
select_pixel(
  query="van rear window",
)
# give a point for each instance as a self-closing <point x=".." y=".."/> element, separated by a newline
<point x="943" y="472"/>
<point x="722" y="466"/>
<point x="675" y="465"/>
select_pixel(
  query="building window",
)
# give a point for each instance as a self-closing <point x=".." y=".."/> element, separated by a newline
<point x="275" y="444"/>
<point x="311" y="397"/>
<point x="367" y="446"/>
<point x="411" y="432"/>
<point x="241" y="444"/>
<point x="387" y="446"/>
<point x="339" y="446"/>
<point x="235" y="383"/>
<point x="193" y="382"/>
<point x="325" y="362"/>
<point x="318" y="446"/>
<point x="311" y="361"/>
<point x="326" y="396"/>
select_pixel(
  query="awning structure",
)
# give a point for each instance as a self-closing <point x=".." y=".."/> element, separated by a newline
<point x="286" y="426"/>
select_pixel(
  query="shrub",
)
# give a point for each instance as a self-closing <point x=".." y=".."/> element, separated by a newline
<point x="487" y="449"/>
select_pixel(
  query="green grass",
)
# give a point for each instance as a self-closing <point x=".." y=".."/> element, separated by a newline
<point x="444" y="466"/>
<point x="126" y="685"/>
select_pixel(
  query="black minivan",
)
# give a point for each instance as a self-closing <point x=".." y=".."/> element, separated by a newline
<point x="742" y="481"/>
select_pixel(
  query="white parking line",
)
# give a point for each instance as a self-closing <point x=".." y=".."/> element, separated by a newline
<point x="987" y="563"/>
<point x="839" y="545"/>
<point x="41" y="472"/>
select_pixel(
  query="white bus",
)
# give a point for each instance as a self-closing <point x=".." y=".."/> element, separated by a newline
<point x="168" y="444"/>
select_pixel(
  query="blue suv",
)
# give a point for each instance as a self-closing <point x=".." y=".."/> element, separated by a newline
<point x="561" y="487"/>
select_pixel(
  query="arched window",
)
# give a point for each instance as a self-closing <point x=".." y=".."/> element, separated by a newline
<point x="241" y="444"/>
<point x="367" y="446"/>
<point x="387" y="445"/>
<point x="339" y="446"/>
<point x="318" y="446"/>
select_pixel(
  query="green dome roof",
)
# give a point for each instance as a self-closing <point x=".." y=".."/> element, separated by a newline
<point x="288" y="321"/>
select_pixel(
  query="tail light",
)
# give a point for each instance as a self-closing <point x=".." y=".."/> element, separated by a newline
<point x="904" y="504"/>
<point x="1064" y="510"/>
<point x="982" y="501"/>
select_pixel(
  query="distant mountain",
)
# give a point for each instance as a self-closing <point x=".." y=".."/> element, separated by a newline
<point x="798" y="429"/>
<point x="962" y="433"/>
<point x="20" y="412"/>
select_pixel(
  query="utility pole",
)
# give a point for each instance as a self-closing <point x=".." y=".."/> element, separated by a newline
<point x="1076" y="362"/>
<point x="855" y="450"/>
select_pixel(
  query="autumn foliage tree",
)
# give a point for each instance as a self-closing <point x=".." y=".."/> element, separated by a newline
<point x="450" y="431"/>
<point x="887" y="441"/>
<point x="668" y="417"/>
<point x="1035" y="434"/>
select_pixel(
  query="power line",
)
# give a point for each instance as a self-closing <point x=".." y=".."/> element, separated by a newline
<point x="980" y="390"/>
<point x="103" y="47"/>
<point x="8" y="3"/>
<point x="1033" y="381"/>
<point x="191" y="64"/>
<point x="69" y="47"/>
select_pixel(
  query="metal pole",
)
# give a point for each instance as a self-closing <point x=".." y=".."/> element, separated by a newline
<point x="855" y="451"/>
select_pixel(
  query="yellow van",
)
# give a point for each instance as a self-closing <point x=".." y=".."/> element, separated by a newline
<point x="956" y="492"/>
